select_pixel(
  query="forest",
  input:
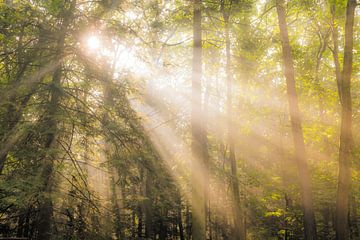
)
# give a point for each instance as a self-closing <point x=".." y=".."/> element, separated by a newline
<point x="180" y="119"/>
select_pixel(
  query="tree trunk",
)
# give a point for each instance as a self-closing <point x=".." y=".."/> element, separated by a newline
<point x="45" y="214"/>
<point x="188" y="223"/>
<point x="335" y="51"/>
<point x="298" y="138"/>
<point x="51" y="124"/>
<point x="326" y="214"/>
<point x="238" y="228"/>
<point x="149" y="230"/>
<point x="198" y="166"/>
<point x="354" y="218"/>
<point x="344" y="180"/>
<point x="140" y="222"/>
<point x="323" y="38"/>
<point x="180" y="223"/>
<point x="133" y="225"/>
<point x="118" y="204"/>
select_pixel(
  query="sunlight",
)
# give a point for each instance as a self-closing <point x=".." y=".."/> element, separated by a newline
<point x="131" y="15"/>
<point x="120" y="56"/>
<point x="177" y="156"/>
<point x="175" y="119"/>
<point x="93" y="43"/>
<point x="126" y="59"/>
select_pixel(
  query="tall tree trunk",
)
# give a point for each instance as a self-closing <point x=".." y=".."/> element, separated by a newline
<point x="298" y="138"/>
<point x="45" y="214"/>
<point x="238" y="228"/>
<point x="206" y="159"/>
<point x="108" y="102"/>
<point x="198" y="166"/>
<point x="344" y="180"/>
<point x="51" y="124"/>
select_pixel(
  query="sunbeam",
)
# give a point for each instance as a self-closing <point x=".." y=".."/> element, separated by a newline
<point x="179" y="120"/>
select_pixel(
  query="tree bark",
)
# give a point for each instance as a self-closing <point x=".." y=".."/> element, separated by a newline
<point x="187" y="222"/>
<point x="180" y="222"/>
<point x="45" y="214"/>
<point x="335" y="51"/>
<point x="346" y="141"/>
<point x="298" y="138"/>
<point x="238" y="228"/>
<point x="51" y="124"/>
<point x="149" y="229"/>
<point x="119" y="204"/>
<point x="323" y="38"/>
<point x="198" y="166"/>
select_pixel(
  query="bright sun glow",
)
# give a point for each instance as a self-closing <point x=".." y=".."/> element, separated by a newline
<point x="93" y="43"/>
<point x="121" y="57"/>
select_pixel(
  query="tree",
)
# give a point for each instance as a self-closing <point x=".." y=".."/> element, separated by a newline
<point x="51" y="123"/>
<point x="239" y="227"/>
<point x="118" y="117"/>
<point x="346" y="140"/>
<point x="298" y="138"/>
<point x="198" y="165"/>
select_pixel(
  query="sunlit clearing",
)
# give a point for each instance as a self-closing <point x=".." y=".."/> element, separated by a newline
<point x="93" y="42"/>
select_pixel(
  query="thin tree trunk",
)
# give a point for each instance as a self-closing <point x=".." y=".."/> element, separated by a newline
<point x="298" y="138"/>
<point x="188" y="223"/>
<point x="323" y="45"/>
<point x="206" y="159"/>
<point x="238" y="228"/>
<point x="119" y="204"/>
<point x="286" y="176"/>
<point x="149" y="231"/>
<point x="326" y="214"/>
<point x="140" y="222"/>
<point x="344" y="180"/>
<point x="354" y="218"/>
<point x="133" y="225"/>
<point x="140" y="207"/>
<point x="26" y="232"/>
<point x="335" y="51"/>
<point x="180" y="222"/>
<point x="163" y="230"/>
<point x="198" y="166"/>
<point x="20" y="224"/>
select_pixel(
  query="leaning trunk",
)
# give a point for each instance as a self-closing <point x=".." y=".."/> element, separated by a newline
<point x="298" y="138"/>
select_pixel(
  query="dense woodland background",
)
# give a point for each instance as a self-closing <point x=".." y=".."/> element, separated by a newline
<point x="179" y="119"/>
